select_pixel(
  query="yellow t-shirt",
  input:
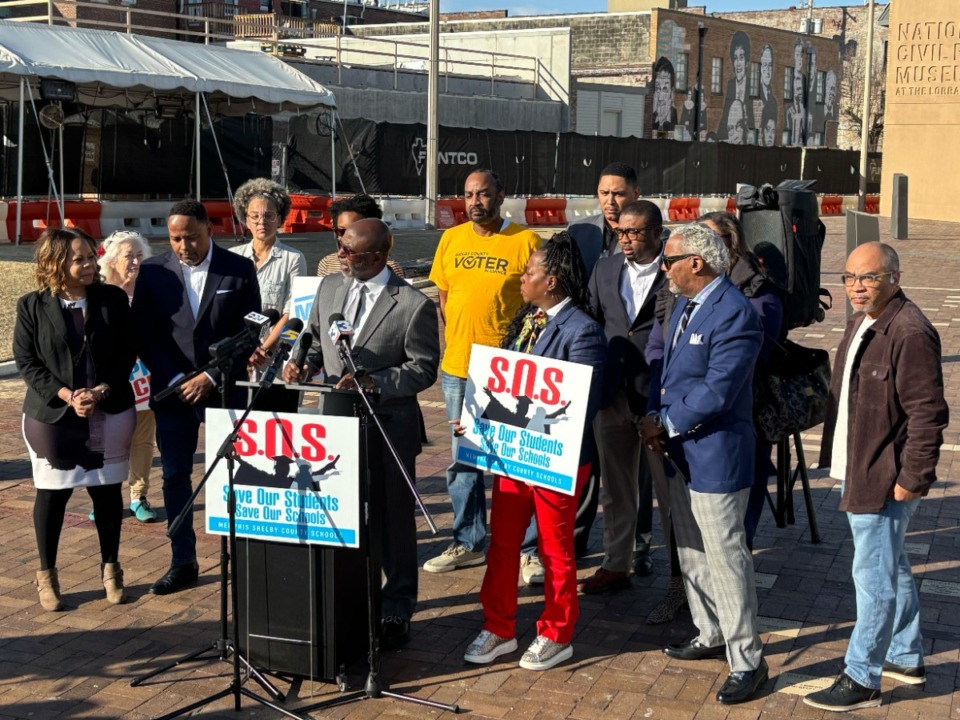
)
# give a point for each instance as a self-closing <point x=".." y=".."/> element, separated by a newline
<point x="481" y="276"/>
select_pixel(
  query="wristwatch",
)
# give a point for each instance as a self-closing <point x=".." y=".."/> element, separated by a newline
<point x="104" y="390"/>
<point x="657" y="420"/>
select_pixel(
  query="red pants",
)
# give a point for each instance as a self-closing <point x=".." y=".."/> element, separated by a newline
<point x="513" y="505"/>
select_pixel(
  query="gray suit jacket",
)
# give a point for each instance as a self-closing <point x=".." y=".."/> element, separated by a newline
<point x="588" y="235"/>
<point x="399" y="346"/>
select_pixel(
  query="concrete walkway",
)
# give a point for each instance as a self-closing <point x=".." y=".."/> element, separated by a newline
<point x="79" y="663"/>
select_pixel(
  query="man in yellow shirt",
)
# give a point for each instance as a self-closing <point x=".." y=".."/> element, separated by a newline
<point x="477" y="270"/>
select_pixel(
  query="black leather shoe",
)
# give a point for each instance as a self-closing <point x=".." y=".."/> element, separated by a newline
<point x="177" y="578"/>
<point x="692" y="650"/>
<point x="742" y="686"/>
<point x="394" y="633"/>
<point x="642" y="562"/>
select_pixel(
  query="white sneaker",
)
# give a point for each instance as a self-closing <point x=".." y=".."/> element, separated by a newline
<point x="453" y="558"/>
<point x="488" y="647"/>
<point x="531" y="569"/>
<point x="544" y="653"/>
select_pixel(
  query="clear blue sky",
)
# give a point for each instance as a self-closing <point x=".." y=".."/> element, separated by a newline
<point x="556" y="7"/>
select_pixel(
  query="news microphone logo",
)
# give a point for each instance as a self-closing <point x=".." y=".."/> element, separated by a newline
<point x="340" y="330"/>
<point x="291" y="331"/>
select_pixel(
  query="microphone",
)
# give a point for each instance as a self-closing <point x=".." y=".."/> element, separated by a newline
<point x="340" y="331"/>
<point x="244" y="342"/>
<point x="288" y="337"/>
<point x="306" y="340"/>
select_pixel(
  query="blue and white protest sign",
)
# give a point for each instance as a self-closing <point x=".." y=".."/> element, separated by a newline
<point x="524" y="416"/>
<point x="140" y="381"/>
<point x="297" y="477"/>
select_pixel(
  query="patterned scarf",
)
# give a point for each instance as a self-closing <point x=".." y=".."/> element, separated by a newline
<point x="533" y="325"/>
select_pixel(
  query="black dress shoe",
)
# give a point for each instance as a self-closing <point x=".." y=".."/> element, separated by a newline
<point x="394" y="633"/>
<point x="692" y="650"/>
<point x="642" y="562"/>
<point x="177" y="578"/>
<point x="742" y="686"/>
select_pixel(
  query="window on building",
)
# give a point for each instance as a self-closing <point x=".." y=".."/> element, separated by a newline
<point x="821" y="86"/>
<point x="264" y="5"/>
<point x="716" y="76"/>
<point x="788" y="83"/>
<point x="754" y="79"/>
<point x="683" y="61"/>
<point x="818" y="139"/>
<point x="610" y="123"/>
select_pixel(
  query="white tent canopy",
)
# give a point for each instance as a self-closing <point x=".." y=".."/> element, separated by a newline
<point x="113" y="69"/>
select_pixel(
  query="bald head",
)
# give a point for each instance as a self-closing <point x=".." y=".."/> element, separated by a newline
<point x="872" y="277"/>
<point x="364" y="248"/>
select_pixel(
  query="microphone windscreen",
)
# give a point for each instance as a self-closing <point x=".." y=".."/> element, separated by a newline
<point x="273" y="314"/>
<point x="306" y="340"/>
<point x="295" y="324"/>
<point x="336" y="317"/>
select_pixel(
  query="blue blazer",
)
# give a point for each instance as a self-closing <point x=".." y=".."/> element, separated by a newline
<point x="706" y="390"/>
<point x="170" y="340"/>
<point x="576" y="337"/>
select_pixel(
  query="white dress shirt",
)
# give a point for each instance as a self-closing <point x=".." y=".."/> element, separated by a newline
<point x="372" y="289"/>
<point x="635" y="283"/>
<point x="194" y="280"/>
<point x="838" y="458"/>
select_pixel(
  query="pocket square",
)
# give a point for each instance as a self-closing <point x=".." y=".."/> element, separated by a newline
<point x="696" y="339"/>
<point x="224" y="291"/>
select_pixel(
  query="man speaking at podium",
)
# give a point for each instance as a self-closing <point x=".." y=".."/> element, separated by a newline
<point x="397" y="342"/>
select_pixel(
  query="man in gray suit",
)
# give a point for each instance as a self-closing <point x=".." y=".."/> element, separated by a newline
<point x="396" y="339"/>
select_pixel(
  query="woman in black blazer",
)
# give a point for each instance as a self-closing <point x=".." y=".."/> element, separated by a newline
<point x="73" y="346"/>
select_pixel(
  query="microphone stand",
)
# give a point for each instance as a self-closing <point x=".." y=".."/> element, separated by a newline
<point x="223" y="645"/>
<point x="374" y="688"/>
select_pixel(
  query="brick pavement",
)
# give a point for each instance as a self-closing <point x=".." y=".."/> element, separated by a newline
<point x="78" y="663"/>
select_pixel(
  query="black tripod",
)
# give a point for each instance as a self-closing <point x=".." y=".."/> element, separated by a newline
<point x="374" y="687"/>
<point x="223" y="646"/>
<point x="786" y="481"/>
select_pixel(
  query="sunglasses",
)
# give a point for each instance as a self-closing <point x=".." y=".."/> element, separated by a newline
<point x="350" y="252"/>
<point x="669" y="260"/>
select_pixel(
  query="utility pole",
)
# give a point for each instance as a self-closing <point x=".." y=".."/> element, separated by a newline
<point x="865" y="112"/>
<point x="433" y="97"/>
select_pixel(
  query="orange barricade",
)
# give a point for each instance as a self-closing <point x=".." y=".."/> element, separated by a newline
<point x="684" y="209"/>
<point x="38" y="215"/>
<point x="222" y="220"/>
<point x="450" y="212"/>
<point x="541" y="212"/>
<point x="309" y="213"/>
<point x="871" y="204"/>
<point x="831" y="205"/>
<point x="732" y="205"/>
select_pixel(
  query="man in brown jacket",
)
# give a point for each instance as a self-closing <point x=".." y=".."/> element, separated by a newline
<point x="882" y="441"/>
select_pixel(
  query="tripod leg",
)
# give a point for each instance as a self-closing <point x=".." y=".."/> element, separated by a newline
<point x="261" y="679"/>
<point x="421" y="701"/>
<point x="783" y="470"/>
<point x="191" y="657"/>
<point x="199" y="703"/>
<point x="807" y="497"/>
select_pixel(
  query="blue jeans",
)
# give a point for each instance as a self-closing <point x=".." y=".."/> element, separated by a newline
<point x="177" y="434"/>
<point x="464" y="483"/>
<point x="888" y="608"/>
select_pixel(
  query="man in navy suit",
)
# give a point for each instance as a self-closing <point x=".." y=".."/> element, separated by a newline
<point x="185" y="301"/>
<point x="623" y="288"/>
<point x="703" y="419"/>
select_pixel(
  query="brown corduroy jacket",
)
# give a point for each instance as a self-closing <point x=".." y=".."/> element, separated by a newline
<point x="897" y="412"/>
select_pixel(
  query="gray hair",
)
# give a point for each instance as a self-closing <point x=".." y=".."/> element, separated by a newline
<point x="262" y="188"/>
<point x="698" y="239"/>
<point x="891" y="261"/>
<point x="110" y="249"/>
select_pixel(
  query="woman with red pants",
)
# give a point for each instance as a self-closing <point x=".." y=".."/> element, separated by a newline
<point x="552" y="323"/>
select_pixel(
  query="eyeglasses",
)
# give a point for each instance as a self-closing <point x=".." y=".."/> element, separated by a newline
<point x="339" y="231"/>
<point x="669" y="260"/>
<point x="267" y="218"/>
<point x="870" y="280"/>
<point x="350" y="252"/>
<point x="630" y="233"/>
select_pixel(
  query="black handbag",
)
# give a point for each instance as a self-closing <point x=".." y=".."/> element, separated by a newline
<point x="790" y="395"/>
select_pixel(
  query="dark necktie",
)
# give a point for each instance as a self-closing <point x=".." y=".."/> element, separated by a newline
<point x="684" y="320"/>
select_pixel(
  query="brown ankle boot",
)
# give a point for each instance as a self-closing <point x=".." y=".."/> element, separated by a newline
<point x="113" y="583"/>
<point x="48" y="585"/>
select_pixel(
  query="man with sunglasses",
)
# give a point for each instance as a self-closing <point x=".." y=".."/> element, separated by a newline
<point x="882" y="441"/>
<point x="397" y="341"/>
<point x="476" y="269"/>
<point x="623" y="288"/>
<point x="344" y="212"/>
<point x="702" y="419"/>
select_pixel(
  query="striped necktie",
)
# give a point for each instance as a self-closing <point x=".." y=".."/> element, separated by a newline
<point x="684" y="321"/>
